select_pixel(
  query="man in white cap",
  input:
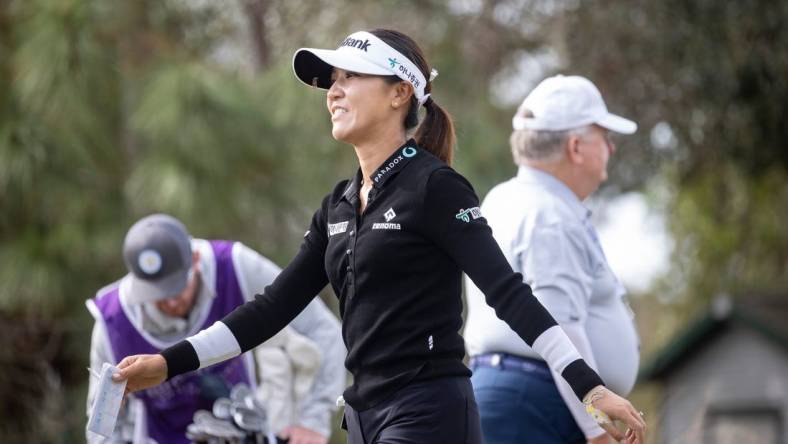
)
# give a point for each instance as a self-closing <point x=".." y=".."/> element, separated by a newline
<point x="177" y="286"/>
<point x="561" y="144"/>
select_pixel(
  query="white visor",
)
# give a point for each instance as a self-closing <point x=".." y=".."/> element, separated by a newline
<point x="363" y="53"/>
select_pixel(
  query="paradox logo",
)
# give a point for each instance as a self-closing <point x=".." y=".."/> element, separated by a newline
<point x="383" y="171"/>
<point x="389" y="214"/>
<point x="337" y="228"/>
<point x="356" y="43"/>
<point x="409" y="151"/>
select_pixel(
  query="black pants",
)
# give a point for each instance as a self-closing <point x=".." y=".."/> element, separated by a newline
<point x="436" y="411"/>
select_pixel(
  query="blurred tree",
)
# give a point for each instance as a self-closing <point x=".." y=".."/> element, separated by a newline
<point x="707" y="82"/>
<point x="111" y="110"/>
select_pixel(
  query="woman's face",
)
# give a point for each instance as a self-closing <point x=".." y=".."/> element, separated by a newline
<point x="359" y="105"/>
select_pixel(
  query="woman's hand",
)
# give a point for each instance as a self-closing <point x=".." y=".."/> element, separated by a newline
<point x="141" y="372"/>
<point x="616" y="407"/>
<point x="604" y="438"/>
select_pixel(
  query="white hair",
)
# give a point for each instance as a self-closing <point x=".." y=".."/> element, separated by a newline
<point x="539" y="145"/>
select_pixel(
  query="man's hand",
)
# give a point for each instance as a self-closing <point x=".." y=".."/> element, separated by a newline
<point x="301" y="435"/>
<point x="619" y="408"/>
<point x="141" y="372"/>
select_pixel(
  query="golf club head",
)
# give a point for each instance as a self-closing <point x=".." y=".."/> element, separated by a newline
<point x="239" y="392"/>
<point x="248" y="419"/>
<point x="221" y="408"/>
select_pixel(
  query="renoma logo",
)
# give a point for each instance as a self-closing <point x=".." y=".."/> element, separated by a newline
<point x="471" y="213"/>
<point x="389" y="214"/>
<point x="356" y="43"/>
<point x="388" y="225"/>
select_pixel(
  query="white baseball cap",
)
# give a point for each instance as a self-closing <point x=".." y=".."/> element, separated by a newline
<point x="561" y="103"/>
<point x="363" y="53"/>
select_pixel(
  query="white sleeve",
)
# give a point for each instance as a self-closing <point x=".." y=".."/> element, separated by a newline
<point x="98" y="356"/>
<point x="576" y="333"/>
<point x="254" y="271"/>
<point x="215" y="344"/>
<point x="318" y="324"/>
<point x="555" y="264"/>
<point x="101" y="352"/>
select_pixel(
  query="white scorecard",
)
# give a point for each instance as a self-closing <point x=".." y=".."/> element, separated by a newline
<point x="106" y="404"/>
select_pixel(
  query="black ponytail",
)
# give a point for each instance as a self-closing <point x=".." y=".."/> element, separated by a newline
<point x="436" y="132"/>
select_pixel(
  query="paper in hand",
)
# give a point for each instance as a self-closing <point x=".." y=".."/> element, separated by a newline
<point x="106" y="404"/>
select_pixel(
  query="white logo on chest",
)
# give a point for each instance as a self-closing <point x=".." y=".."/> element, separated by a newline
<point x="388" y="225"/>
<point x="389" y="214"/>
<point x="337" y="228"/>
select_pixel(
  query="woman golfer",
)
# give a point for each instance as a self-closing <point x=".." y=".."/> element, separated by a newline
<point x="392" y="242"/>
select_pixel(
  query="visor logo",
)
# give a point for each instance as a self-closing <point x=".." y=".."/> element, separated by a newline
<point x="393" y="62"/>
<point x="409" y="76"/>
<point x="356" y="43"/>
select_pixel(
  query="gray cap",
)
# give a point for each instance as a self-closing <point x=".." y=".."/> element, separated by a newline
<point x="157" y="251"/>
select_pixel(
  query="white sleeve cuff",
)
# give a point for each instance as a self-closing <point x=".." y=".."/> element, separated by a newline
<point x="215" y="344"/>
<point x="554" y="346"/>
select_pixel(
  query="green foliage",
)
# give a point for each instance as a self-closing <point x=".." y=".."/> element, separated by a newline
<point x="111" y="110"/>
<point x="714" y="74"/>
<point x="730" y="233"/>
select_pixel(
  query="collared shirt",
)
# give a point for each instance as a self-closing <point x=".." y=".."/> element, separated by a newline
<point x="316" y="323"/>
<point x="545" y="232"/>
<point x="396" y="269"/>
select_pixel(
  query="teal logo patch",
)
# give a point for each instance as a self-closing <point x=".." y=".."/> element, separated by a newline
<point x="393" y="62"/>
<point x="409" y="151"/>
<point x="469" y="214"/>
